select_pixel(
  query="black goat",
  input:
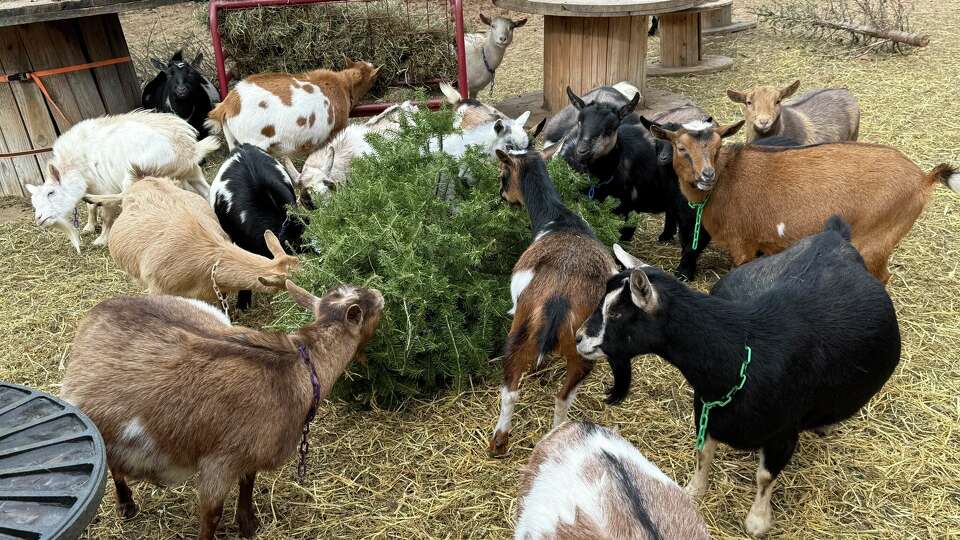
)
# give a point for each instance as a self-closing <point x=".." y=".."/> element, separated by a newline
<point x="181" y="89"/>
<point x="251" y="194"/>
<point x="821" y="331"/>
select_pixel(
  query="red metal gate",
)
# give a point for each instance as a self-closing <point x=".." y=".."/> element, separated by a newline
<point x="367" y="109"/>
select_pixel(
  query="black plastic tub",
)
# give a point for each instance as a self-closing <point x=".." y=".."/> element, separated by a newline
<point x="52" y="467"/>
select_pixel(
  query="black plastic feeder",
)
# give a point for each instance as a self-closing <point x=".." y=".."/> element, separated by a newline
<point x="52" y="467"/>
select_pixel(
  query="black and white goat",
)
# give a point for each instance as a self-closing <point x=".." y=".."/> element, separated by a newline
<point x="181" y="89"/>
<point x="816" y="333"/>
<point x="251" y="194"/>
<point x="555" y="285"/>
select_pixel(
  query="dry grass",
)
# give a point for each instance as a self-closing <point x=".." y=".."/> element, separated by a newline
<point x="890" y="472"/>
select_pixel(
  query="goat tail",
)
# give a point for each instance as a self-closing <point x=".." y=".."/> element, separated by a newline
<point x="451" y="93"/>
<point x="628" y="90"/>
<point x="947" y="174"/>
<point x="622" y="378"/>
<point x="556" y="311"/>
<point x="101" y="200"/>
<point x="206" y="146"/>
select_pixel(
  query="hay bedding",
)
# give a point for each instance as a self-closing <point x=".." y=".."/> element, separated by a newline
<point x="891" y="472"/>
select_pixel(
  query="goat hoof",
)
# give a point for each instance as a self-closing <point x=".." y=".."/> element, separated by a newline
<point x="100" y="241"/>
<point x="127" y="510"/>
<point x="665" y="238"/>
<point x="758" y="522"/>
<point x="498" y="444"/>
<point x="683" y="275"/>
<point x="824" y="431"/>
<point x="695" y="490"/>
<point x="88" y="228"/>
<point x="248" y="525"/>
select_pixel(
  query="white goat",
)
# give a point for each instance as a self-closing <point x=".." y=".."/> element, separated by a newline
<point x="96" y="156"/>
<point x="586" y="481"/>
<point x="327" y="168"/>
<point x="485" y="51"/>
<point x="501" y="134"/>
<point x="468" y="113"/>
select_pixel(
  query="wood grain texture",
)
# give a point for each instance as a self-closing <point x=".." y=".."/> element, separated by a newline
<point x="680" y="39"/>
<point x="597" y="8"/>
<point x="113" y="90"/>
<point x="27" y="11"/>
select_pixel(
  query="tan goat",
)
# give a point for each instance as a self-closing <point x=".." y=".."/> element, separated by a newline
<point x="586" y="482"/>
<point x="818" y="116"/>
<point x="171" y="242"/>
<point x="176" y="390"/>
<point x="762" y="199"/>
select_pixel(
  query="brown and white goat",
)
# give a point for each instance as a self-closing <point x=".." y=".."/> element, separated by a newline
<point x="287" y="114"/>
<point x="176" y="390"/>
<point x="171" y="242"/>
<point x="819" y="116"/>
<point x="556" y="284"/>
<point x="584" y="481"/>
<point x="762" y="199"/>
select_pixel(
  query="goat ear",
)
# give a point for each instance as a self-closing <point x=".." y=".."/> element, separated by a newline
<point x="522" y="119"/>
<point x="504" y="158"/>
<point x="158" y="64"/>
<point x="485" y="20"/>
<point x="642" y="292"/>
<point x="536" y="131"/>
<point x="575" y="99"/>
<point x="273" y="244"/>
<point x="736" y="97"/>
<point x="354" y="315"/>
<point x="54" y="173"/>
<point x="518" y="24"/>
<point x="729" y="129"/>
<point x="627" y="260"/>
<point x="548" y="153"/>
<point x="498" y="127"/>
<point x="197" y="60"/>
<point x="788" y="91"/>
<point x="31" y="188"/>
<point x="303" y="298"/>
<point x="660" y="132"/>
<point x="646" y="122"/>
<point x="629" y="107"/>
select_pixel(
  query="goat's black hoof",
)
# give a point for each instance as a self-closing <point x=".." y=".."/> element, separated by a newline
<point x="626" y="234"/>
<point x="665" y="238"/>
<point x="684" y="275"/>
<point x="127" y="510"/>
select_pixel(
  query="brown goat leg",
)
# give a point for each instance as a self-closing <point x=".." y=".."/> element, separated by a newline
<point x="577" y="370"/>
<point x="247" y="519"/>
<point x="214" y="485"/>
<point x="126" y="506"/>
<point x="516" y="363"/>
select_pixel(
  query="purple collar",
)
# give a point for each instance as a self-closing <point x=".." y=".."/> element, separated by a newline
<point x="305" y="438"/>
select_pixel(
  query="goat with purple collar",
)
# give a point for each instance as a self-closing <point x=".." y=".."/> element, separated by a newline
<point x="793" y="342"/>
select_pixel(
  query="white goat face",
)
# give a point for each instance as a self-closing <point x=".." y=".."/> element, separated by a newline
<point x="52" y="200"/>
<point x="501" y="29"/>
<point x="317" y="172"/>
<point x="511" y="137"/>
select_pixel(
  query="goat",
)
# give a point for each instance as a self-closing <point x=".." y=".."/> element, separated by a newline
<point x="500" y="134"/>
<point x="175" y="390"/>
<point x="761" y="199"/>
<point x="819" y="116"/>
<point x="327" y="168"/>
<point x="822" y="330"/>
<point x="182" y="90"/>
<point x="555" y="285"/>
<point x="469" y="113"/>
<point x="286" y="114"/>
<point x="586" y="481"/>
<point x="563" y="125"/>
<point x="171" y="242"/>
<point x="251" y="195"/>
<point x="484" y="52"/>
<point x="95" y="157"/>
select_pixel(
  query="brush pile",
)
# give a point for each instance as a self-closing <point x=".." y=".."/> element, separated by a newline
<point x="410" y="39"/>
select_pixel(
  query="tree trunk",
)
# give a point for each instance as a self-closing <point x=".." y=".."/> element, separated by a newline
<point x="893" y="35"/>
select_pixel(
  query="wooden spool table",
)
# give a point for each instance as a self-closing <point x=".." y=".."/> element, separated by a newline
<point x="681" y="43"/>
<point x="37" y="35"/>
<point x="588" y="43"/>
<point x="720" y="21"/>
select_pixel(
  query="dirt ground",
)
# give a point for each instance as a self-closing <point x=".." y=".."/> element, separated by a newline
<point x="889" y="472"/>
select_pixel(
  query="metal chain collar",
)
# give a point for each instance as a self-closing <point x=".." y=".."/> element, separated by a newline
<point x="216" y="289"/>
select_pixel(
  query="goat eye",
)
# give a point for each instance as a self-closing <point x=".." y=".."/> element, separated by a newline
<point x="749" y="103"/>
<point x="681" y="149"/>
<point x="50" y="195"/>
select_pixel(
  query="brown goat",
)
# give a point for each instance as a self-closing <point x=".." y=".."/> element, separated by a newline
<point x="176" y="390"/>
<point x="585" y="481"/>
<point x="762" y="199"/>
<point x="818" y="116"/>
<point x="171" y="242"/>
<point x="556" y="284"/>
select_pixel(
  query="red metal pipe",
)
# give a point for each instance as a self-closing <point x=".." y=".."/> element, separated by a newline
<point x="366" y="109"/>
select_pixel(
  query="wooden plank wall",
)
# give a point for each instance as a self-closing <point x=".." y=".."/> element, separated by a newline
<point x="586" y="52"/>
<point x="26" y="119"/>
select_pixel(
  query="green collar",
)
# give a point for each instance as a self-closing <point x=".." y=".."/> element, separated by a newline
<point x="705" y="411"/>
<point x="696" y="226"/>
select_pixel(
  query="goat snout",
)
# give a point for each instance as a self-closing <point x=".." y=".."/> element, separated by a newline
<point x="762" y="124"/>
<point x="181" y="91"/>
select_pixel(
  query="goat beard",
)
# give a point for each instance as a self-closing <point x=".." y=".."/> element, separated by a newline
<point x="72" y="234"/>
